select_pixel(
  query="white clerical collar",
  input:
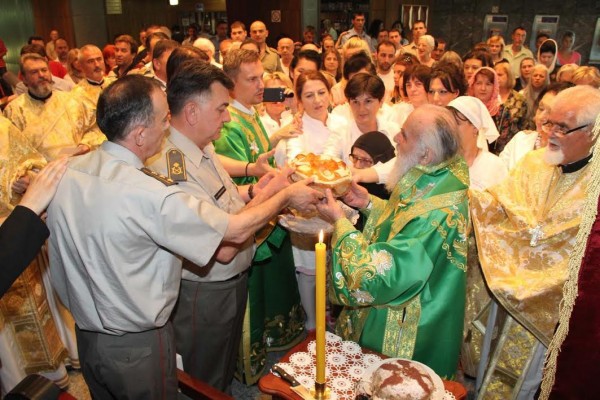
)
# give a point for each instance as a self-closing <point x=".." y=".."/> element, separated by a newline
<point x="239" y="106"/>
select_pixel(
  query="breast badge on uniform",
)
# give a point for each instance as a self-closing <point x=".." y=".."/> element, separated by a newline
<point x="159" y="177"/>
<point x="176" y="165"/>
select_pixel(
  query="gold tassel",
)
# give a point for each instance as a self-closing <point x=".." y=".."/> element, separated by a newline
<point x="570" y="288"/>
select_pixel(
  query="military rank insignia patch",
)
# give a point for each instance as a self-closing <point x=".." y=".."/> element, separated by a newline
<point x="159" y="177"/>
<point x="176" y="165"/>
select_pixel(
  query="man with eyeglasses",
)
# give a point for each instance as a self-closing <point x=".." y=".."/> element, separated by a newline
<point x="526" y="227"/>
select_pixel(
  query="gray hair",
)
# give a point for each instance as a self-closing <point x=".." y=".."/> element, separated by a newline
<point x="584" y="99"/>
<point x="439" y="135"/>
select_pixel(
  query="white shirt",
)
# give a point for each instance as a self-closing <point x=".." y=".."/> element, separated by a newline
<point x="522" y="143"/>
<point x="388" y="81"/>
<point x="340" y="144"/>
<point x="271" y="126"/>
<point x="314" y="135"/>
<point x="487" y="170"/>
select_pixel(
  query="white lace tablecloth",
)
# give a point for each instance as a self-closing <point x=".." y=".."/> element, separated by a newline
<point x="345" y="365"/>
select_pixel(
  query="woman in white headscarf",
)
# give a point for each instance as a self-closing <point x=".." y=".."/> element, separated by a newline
<point x="476" y="130"/>
<point x="547" y="54"/>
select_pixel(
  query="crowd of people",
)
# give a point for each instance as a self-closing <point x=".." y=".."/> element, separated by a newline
<point x="163" y="171"/>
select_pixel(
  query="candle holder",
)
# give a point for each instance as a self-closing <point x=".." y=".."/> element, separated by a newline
<point x="320" y="391"/>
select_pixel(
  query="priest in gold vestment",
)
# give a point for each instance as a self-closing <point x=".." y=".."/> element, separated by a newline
<point x="55" y="123"/>
<point x="525" y="229"/>
<point x="29" y="341"/>
<point x="88" y="89"/>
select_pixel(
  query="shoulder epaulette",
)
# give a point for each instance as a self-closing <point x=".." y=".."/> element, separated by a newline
<point x="161" y="178"/>
<point x="176" y="165"/>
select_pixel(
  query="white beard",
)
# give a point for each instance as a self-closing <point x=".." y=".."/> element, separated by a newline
<point x="403" y="164"/>
<point x="554" y="157"/>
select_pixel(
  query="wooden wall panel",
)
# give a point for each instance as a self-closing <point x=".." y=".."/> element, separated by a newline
<point x="141" y="13"/>
<point x="291" y="15"/>
<point x="53" y="14"/>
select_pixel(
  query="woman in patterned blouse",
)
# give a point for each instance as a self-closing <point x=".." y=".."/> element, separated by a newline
<point x="512" y="114"/>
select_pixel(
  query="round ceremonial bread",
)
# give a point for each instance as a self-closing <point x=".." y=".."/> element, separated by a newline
<point x="328" y="172"/>
<point x="400" y="379"/>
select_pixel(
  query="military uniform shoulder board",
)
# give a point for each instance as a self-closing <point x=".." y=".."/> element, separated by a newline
<point x="159" y="177"/>
<point x="176" y="165"/>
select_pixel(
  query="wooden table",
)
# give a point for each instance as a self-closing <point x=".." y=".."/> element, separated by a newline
<point x="280" y="389"/>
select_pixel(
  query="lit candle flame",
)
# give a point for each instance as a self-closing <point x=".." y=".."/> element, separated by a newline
<point x="321" y="236"/>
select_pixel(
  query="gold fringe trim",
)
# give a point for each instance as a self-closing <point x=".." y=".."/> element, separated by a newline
<point x="570" y="288"/>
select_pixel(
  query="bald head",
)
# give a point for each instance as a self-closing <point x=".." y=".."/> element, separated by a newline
<point x="259" y="32"/>
<point x="285" y="48"/>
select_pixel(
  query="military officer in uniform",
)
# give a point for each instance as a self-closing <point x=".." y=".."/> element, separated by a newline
<point x="210" y="312"/>
<point x="117" y="232"/>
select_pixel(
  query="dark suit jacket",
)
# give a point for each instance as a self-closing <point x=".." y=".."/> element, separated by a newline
<point x="21" y="236"/>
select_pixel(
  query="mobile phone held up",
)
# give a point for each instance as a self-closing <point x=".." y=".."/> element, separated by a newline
<point x="275" y="95"/>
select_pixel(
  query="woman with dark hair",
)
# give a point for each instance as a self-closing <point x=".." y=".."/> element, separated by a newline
<point x="365" y="94"/>
<point x="445" y="84"/>
<point x="359" y="62"/>
<point x="474" y="60"/>
<point x="547" y="55"/>
<point x="415" y="80"/>
<point x="566" y="54"/>
<point x="313" y="94"/>
<point x="402" y="63"/>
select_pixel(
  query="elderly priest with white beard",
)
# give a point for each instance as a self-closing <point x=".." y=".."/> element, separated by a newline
<point x="525" y="229"/>
<point x="402" y="280"/>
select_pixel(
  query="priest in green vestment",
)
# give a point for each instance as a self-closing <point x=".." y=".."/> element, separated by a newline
<point x="274" y="318"/>
<point x="402" y="280"/>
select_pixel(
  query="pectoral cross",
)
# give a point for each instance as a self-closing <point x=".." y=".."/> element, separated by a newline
<point x="536" y="234"/>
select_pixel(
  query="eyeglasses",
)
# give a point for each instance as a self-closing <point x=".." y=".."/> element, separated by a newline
<point x="356" y="159"/>
<point x="561" y="129"/>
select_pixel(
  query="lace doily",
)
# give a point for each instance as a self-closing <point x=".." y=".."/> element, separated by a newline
<point x="345" y="365"/>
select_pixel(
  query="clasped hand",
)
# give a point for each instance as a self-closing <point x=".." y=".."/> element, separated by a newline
<point x="356" y="197"/>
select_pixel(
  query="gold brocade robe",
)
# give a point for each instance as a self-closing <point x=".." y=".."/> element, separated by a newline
<point x="56" y="126"/>
<point x="525" y="229"/>
<point x="24" y="308"/>
<point x="89" y="93"/>
<point x="17" y="157"/>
